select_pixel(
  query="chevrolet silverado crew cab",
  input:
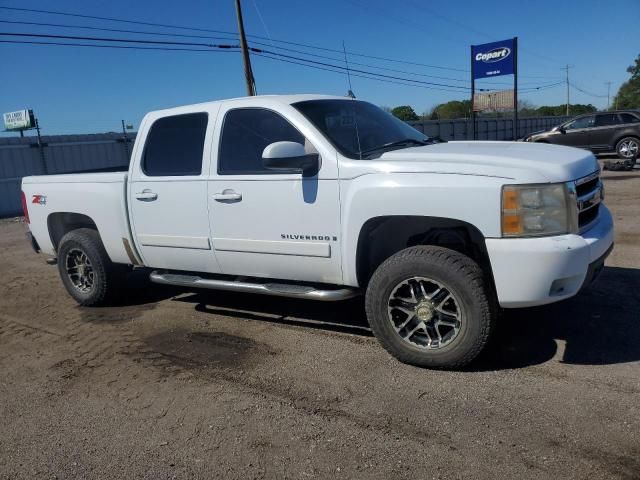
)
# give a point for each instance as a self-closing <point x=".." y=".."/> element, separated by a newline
<point x="325" y="198"/>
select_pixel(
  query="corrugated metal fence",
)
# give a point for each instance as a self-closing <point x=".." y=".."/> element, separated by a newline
<point x="20" y="157"/>
<point x="488" y="128"/>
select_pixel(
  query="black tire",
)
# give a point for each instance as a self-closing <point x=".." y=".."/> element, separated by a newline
<point x="454" y="272"/>
<point x="620" y="147"/>
<point x="106" y="276"/>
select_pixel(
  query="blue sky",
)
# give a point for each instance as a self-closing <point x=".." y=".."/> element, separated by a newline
<point x="80" y="90"/>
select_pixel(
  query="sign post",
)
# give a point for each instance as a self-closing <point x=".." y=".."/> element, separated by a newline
<point x="25" y="120"/>
<point x="493" y="60"/>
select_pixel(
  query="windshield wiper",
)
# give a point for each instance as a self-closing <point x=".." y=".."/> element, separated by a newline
<point x="399" y="143"/>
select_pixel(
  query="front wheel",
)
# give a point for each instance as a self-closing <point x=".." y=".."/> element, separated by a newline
<point x="429" y="306"/>
<point x="627" y="148"/>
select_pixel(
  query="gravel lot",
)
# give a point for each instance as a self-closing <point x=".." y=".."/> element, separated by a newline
<point x="173" y="384"/>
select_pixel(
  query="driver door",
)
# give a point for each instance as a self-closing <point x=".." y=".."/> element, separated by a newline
<point x="576" y="133"/>
<point x="266" y="223"/>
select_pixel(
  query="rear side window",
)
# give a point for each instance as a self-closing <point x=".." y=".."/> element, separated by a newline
<point x="245" y="134"/>
<point x="175" y="145"/>
<point x="606" y="119"/>
<point x="629" y="118"/>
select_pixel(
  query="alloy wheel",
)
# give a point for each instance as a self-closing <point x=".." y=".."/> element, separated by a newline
<point x="424" y="313"/>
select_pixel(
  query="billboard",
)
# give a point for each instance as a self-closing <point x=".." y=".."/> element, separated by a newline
<point x="497" y="100"/>
<point x="493" y="59"/>
<point x="20" y="120"/>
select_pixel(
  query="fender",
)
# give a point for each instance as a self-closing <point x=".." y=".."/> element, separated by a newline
<point x="420" y="195"/>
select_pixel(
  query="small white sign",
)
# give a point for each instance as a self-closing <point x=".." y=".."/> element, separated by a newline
<point x="19" y="120"/>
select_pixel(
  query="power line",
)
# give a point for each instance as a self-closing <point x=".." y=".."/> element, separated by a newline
<point x="195" y="44"/>
<point x="265" y="53"/>
<point x="121" y="40"/>
<point x="258" y="50"/>
<point x="118" y="30"/>
<point x="355" y="74"/>
<point x="235" y="36"/>
<point x="58" y="25"/>
<point x="129" y="47"/>
<point x="182" y="27"/>
<point x="139" y="32"/>
<point x="135" y="22"/>
<point x="158" y="48"/>
<point x="588" y="93"/>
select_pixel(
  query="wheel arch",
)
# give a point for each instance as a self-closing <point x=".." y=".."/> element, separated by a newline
<point x="382" y="237"/>
<point x="625" y="135"/>
<point x="61" y="223"/>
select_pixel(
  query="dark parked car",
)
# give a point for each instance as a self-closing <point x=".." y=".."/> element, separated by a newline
<point x="617" y="132"/>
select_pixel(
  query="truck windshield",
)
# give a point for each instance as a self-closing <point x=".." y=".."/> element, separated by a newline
<point x="358" y="129"/>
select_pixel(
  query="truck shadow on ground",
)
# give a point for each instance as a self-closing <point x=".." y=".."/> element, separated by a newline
<point x="601" y="326"/>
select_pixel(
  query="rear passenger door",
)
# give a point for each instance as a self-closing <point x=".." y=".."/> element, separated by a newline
<point x="168" y="192"/>
<point x="602" y="135"/>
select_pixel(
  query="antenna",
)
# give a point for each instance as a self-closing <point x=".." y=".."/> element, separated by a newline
<point x="353" y="97"/>
<point x="350" y="92"/>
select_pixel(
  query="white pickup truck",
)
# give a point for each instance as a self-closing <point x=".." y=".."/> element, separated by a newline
<point x="325" y="198"/>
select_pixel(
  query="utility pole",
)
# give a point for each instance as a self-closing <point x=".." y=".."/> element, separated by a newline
<point x="248" y="73"/>
<point x="567" y="77"/>
<point x="608" y="84"/>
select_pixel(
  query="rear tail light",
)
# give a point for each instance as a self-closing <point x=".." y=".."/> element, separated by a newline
<point x="25" y="210"/>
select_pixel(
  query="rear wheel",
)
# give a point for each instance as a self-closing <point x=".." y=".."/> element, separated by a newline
<point x="85" y="268"/>
<point x="628" y="148"/>
<point x="429" y="306"/>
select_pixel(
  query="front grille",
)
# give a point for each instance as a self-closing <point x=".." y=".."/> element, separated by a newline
<point x="586" y="187"/>
<point x="588" y="191"/>
<point x="587" y="216"/>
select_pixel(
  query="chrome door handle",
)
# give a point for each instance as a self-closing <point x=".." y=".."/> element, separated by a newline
<point x="146" y="195"/>
<point x="227" y="195"/>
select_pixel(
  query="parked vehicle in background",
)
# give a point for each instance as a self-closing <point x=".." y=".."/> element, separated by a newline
<point x="605" y="132"/>
<point x="325" y="198"/>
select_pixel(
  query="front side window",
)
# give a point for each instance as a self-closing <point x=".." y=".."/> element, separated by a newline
<point x="584" y="122"/>
<point x="175" y="145"/>
<point x="606" y="119"/>
<point x="246" y="132"/>
<point x="358" y="129"/>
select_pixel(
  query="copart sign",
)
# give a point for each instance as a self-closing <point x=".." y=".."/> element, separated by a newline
<point x="493" y="59"/>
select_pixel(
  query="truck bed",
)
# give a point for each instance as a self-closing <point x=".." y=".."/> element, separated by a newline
<point x="72" y="197"/>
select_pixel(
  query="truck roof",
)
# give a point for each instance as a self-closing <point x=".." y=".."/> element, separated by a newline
<point x="284" y="99"/>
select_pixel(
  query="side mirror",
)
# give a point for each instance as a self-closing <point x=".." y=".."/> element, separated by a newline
<point x="287" y="156"/>
<point x="562" y="130"/>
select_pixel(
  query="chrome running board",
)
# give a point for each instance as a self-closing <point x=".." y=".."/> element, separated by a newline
<point x="267" y="288"/>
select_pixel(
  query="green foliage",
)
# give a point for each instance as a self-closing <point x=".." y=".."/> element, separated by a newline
<point x="559" y="110"/>
<point x="405" y="113"/>
<point x="628" y="95"/>
<point x="452" y="109"/>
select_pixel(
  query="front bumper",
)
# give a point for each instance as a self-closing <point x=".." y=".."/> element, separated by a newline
<point x="536" y="271"/>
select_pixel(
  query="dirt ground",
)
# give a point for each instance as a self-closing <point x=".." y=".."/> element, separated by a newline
<point x="174" y="384"/>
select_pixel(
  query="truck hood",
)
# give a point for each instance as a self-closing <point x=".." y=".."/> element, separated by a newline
<point x="518" y="161"/>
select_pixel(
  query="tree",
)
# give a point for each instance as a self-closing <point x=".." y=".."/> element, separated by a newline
<point x="452" y="109"/>
<point x="527" y="109"/>
<point x="560" y="110"/>
<point x="628" y="95"/>
<point x="405" y="113"/>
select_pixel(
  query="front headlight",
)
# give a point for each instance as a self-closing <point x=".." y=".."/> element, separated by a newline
<point x="536" y="210"/>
